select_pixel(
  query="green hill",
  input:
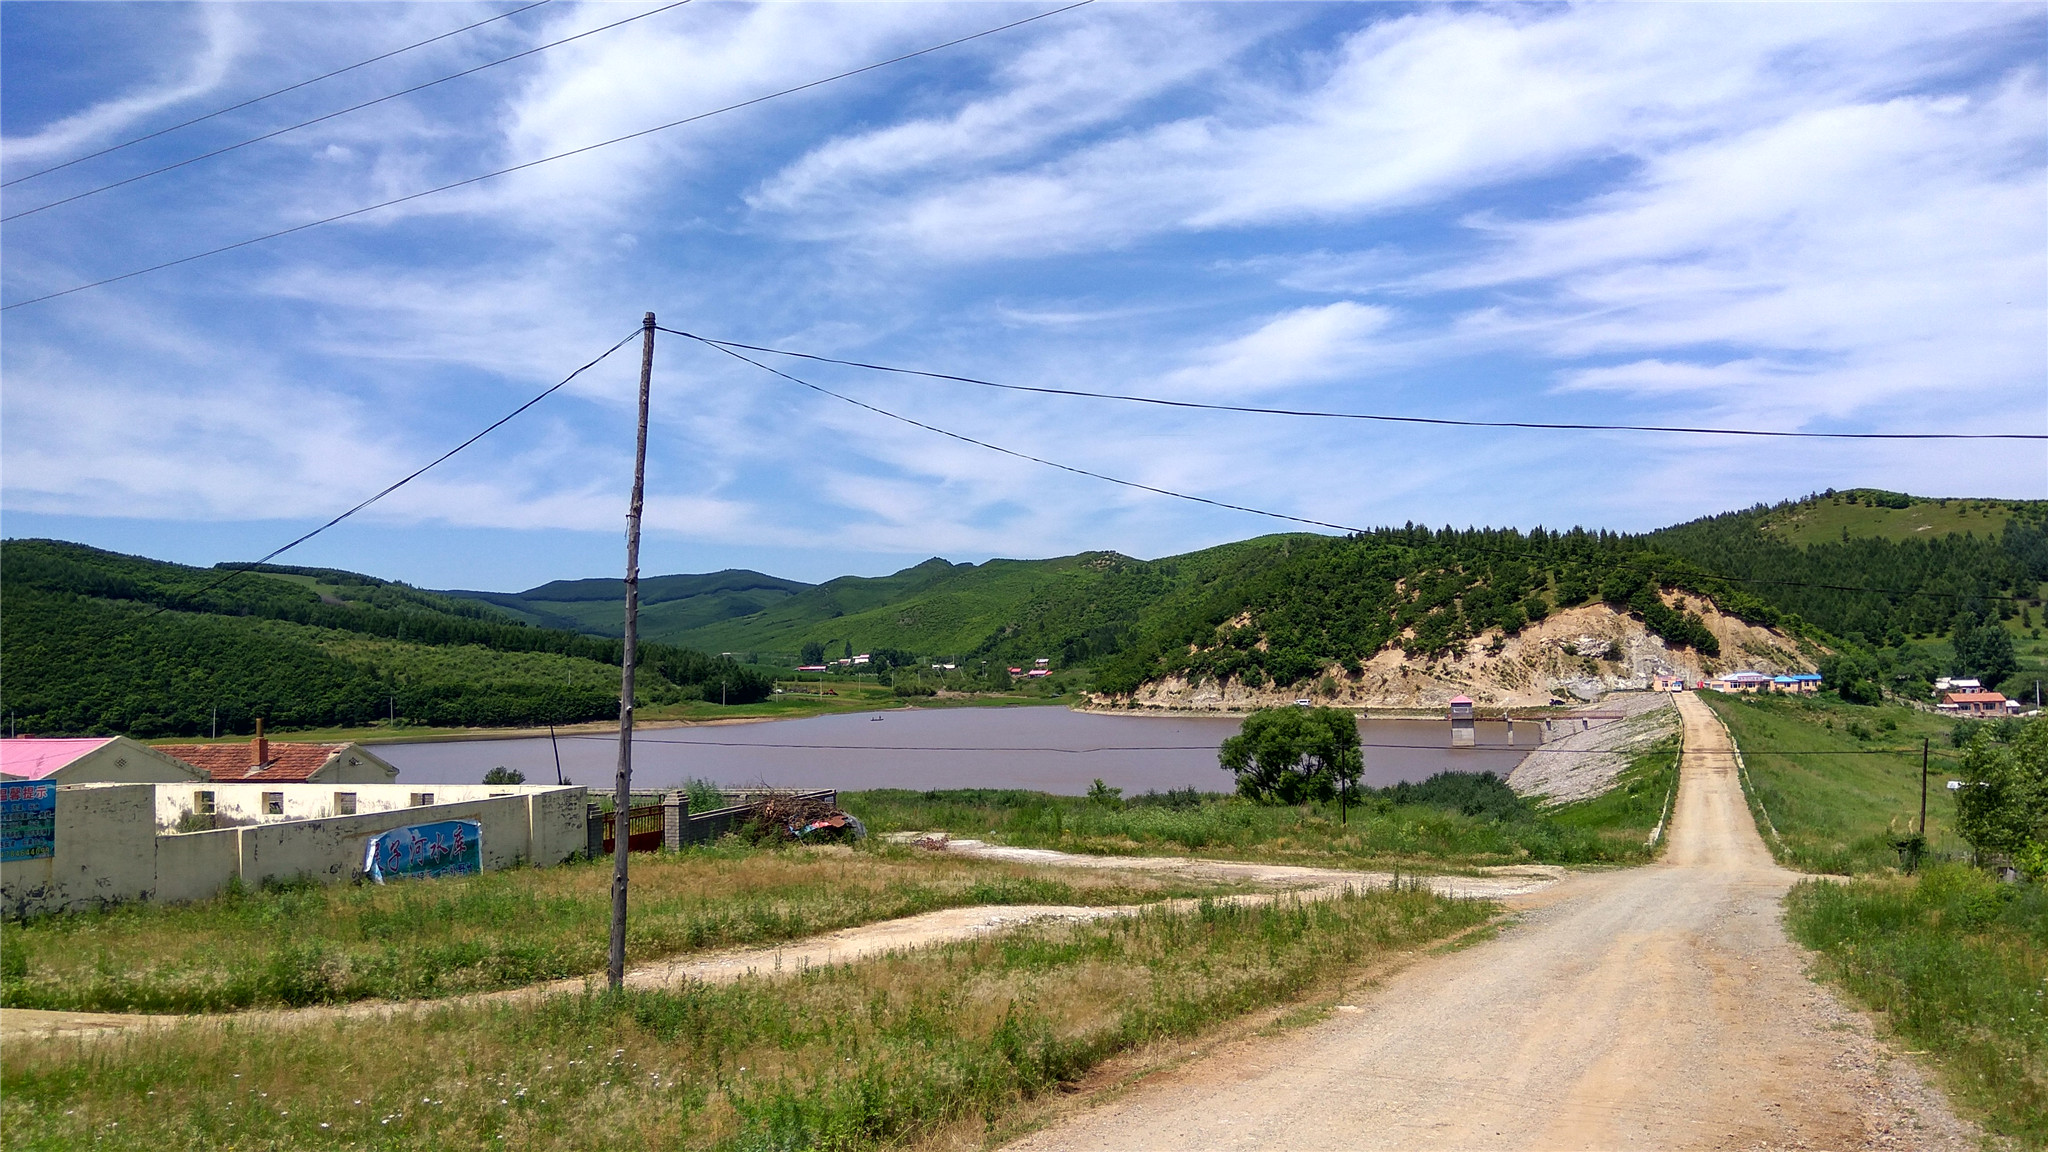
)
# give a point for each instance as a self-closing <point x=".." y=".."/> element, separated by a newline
<point x="670" y="606"/>
<point x="1277" y="606"/>
<point x="94" y="641"/>
<point x="1861" y="513"/>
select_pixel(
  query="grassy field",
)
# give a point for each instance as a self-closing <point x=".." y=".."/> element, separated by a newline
<point x="945" y="1042"/>
<point x="315" y="944"/>
<point x="1840" y="781"/>
<point x="1463" y="828"/>
<point x="1957" y="963"/>
<point x="1826" y="519"/>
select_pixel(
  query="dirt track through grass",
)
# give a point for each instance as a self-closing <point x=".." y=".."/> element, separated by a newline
<point x="1659" y="1007"/>
<point x="912" y="1045"/>
<point x="869" y="941"/>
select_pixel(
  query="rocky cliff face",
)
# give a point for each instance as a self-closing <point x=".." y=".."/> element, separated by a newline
<point x="1576" y="655"/>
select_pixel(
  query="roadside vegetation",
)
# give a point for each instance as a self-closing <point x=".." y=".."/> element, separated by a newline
<point x="1452" y="820"/>
<point x="1957" y="962"/>
<point x="314" y="944"/>
<point x="940" y="1043"/>
<point x="1840" y="783"/>
<point x="1955" y="959"/>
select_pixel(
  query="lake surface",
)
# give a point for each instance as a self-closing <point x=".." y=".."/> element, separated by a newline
<point x="1047" y="749"/>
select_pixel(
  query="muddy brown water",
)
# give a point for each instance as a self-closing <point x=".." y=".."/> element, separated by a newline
<point x="1046" y="749"/>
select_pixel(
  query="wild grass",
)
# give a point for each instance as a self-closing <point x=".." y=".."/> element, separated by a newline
<point x="1451" y="821"/>
<point x="309" y="944"/>
<point x="871" y="1055"/>
<point x="1840" y="782"/>
<point x="1959" y="964"/>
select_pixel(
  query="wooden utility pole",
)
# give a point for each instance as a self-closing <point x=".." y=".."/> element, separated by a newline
<point x="1923" y="788"/>
<point x="622" y="796"/>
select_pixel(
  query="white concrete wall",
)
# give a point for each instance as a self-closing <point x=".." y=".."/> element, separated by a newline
<point x="560" y="827"/>
<point x="105" y="853"/>
<point x="331" y="850"/>
<point x="240" y="803"/>
<point x="110" y="846"/>
<point x="196" y="865"/>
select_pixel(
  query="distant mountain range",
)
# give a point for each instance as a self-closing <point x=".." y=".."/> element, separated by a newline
<point x="95" y="641"/>
<point x="1086" y="606"/>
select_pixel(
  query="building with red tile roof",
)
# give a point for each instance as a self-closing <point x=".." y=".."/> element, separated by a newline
<point x="1975" y="703"/>
<point x="265" y="761"/>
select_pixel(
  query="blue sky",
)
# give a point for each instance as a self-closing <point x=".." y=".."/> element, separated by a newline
<point x="1823" y="217"/>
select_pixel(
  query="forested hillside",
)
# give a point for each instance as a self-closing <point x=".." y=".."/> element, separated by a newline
<point x="671" y="607"/>
<point x="94" y="641"/>
<point x="1862" y="570"/>
<point x="1920" y="583"/>
<point x="1279" y="609"/>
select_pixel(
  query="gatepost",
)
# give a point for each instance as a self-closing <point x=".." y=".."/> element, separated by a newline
<point x="675" y="818"/>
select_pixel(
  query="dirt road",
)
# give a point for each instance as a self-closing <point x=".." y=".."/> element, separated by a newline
<point x="846" y="946"/>
<point x="1660" y="1007"/>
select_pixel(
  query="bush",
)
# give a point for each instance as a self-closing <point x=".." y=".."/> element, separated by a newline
<point x="2002" y="808"/>
<point x="1480" y="794"/>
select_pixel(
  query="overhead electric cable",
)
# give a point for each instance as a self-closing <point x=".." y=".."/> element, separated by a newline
<point x="268" y="95"/>
<point x="418" y="472"/>
<point x="1520" y="554"/>
<point x="1212" y="747"/>
<point x="549" y="159"/>
<point x="1165" y="403"/>
<point x="1010" y="451"/>
<point x="221" y="151"/>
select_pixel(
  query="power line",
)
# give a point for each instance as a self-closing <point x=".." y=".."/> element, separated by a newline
<point x="268" y="95"/>
<point x="1012" y="452"/>
<point x="1208" y="747"/>
<point x="550" y="159"/>
<point x="1518" y="553"/>
<point x="343" y="112"/>
<point x="414" y="475"/>
<point x="1165" y="403"/>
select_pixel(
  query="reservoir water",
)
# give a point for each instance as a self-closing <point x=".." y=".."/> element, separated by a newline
<point x="1048" y="749"/>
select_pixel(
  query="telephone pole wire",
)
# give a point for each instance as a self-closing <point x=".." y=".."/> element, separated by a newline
<point x="622" y="797"/>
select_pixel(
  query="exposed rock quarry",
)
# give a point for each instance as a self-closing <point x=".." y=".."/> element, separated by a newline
<point x="1565" y="657"/>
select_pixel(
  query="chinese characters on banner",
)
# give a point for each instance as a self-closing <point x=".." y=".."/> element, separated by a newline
<point x="447" y="848"/>
<point x="28" y="821"/>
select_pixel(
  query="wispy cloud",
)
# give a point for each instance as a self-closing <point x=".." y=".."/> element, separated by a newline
<point x="1800" y="215"/>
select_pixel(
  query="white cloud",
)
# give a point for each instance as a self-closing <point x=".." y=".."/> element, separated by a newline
<point x="1073" y="79"/>
<point x="1800" y="215"/>
<point x="223" y="38"/>
<point x="1302" y="346"/>
<point x="1861" y="254"/>
<point x="1407" y="111"/>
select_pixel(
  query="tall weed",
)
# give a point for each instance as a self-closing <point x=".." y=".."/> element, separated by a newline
<point x="1959" y="963"/>
<point x="872" y="1055"/>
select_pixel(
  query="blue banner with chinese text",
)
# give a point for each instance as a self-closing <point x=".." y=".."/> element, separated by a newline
<point x="28" y="821"/>
<point x="446" y="848"/>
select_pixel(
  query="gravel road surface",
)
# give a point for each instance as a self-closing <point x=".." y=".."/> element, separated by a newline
<point x="1659" y="1007"/>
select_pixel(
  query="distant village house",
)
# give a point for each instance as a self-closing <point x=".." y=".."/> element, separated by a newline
<point x="262" y="762"/>
<point x="1977" y="704"/>
<point x="1798" y="683"/>
<point x="92" y="760"/>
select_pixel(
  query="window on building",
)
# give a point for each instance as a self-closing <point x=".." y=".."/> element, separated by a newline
<point x="422" y="799"/>
<point x="273" y="803"/>
<point x="344" y="803"/>
<point x="202" y="803"/>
